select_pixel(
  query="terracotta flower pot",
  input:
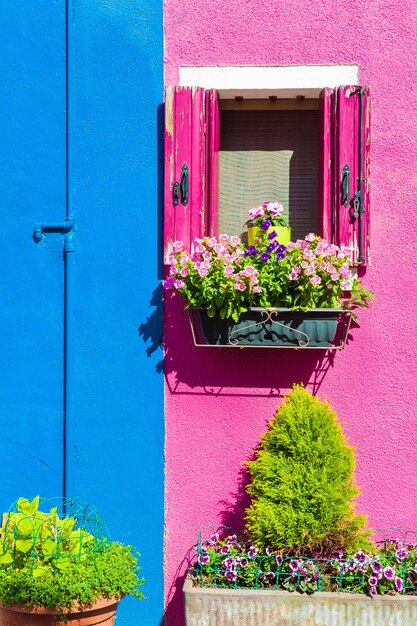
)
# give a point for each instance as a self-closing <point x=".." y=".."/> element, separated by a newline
<point x="102" y="612"/>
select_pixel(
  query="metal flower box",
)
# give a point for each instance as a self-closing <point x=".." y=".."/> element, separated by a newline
<point x="325" y="329"/>
<point x="269" y="607"/>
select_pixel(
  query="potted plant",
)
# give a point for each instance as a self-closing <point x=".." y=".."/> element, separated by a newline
<point x="268" y="293"/>
<point x="59" y="569"/>
<point x="277" y="222"/>
<point x="303" y="536"/>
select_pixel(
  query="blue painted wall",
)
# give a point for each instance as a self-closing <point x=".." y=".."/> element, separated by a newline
<point x="117" y="54"/>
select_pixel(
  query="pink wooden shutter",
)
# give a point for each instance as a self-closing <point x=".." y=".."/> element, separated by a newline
<point x="351" y="171"/>
<point x="212" y="161"/>
<point x="325" y="204"/>
<point x="184" y="149"/>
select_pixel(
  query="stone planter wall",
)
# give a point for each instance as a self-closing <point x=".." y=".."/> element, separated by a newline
<point x="245" y="607"/>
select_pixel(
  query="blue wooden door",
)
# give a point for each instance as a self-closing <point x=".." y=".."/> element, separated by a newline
<point x="117" y="436"/>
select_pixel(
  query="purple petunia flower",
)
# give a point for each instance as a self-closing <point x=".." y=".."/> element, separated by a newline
<point x="280" y="256"/>
<point x="269" y="575"/>
<point x="401" y="554"/>
<point x="225" y="549"/>
<point x="228" y="563"/>
<point x="264" y="257"/>
<point x="214" y="537"/>
<point x="398" y="584"/>
<point x="273" y="234"/>
<point x="373" y="581"/>
<point x="282" y="248"/>
<point x="360" y="556"/>
<point x="268" y="550"/>
<point x="232" y="539"/>
<point x="203" y="559"/>
<point x="231" y="576"/>
<point x="272" y="246"/>
<point x="279" y="559"/>
<point x="389" y="572"/>
<point x="252" y="552"/>
<point x="266" y="224"/>
<point x="373" y="591"/>
<point x="337" y="554"/>
<point x="244" y="562"/>
<point x="376" y="567"/>
<point x="295" y="565"/>
<point x="252" y="250"/>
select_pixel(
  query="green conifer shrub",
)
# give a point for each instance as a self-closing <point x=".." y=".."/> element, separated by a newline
<point x="302" y="483"/>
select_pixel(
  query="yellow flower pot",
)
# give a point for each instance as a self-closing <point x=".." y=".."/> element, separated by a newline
<point x="283" y="234"/>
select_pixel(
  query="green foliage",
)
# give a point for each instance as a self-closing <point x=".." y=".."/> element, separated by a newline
<point x="51" y="561"/>
<point x="236" y="563"/>
<point x="302" y="482"/>
<point x="43" y="542"/>
<point x="223" y="276"/>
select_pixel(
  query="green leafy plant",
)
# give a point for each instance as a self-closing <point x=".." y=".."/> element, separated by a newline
<point x="52" y="561"/>
<point x="302" y="484"/>
<point x="227" y="278"/>
<point x="232" y="561"/>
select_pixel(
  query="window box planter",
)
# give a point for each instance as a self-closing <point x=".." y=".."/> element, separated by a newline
<point x="273" y="328"/>
<point x="268" y="607"/>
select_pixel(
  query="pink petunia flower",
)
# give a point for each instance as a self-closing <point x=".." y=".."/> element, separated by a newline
<point x="229" y="271"/>
<point x="274" y="208"/>
<point x="234" y="241"/>
<point x="249" y="270"/>
<point x="256" y="212"/>
<point x="315" y="280"/>
<point x="179" y="284"/>
<point x="178" y="246"/>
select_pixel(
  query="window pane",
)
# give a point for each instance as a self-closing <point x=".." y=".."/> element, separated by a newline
<point x="268" y="155"/>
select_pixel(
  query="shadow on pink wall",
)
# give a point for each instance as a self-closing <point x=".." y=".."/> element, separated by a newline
<point x="201" y="382"/>
<point x="234" y="371"/>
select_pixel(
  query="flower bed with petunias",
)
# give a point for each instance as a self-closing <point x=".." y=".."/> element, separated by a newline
<point x="236" y="563"/>
<point x="227" y="278"/>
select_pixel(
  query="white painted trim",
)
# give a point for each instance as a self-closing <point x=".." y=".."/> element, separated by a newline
<point x="283" y="81"/>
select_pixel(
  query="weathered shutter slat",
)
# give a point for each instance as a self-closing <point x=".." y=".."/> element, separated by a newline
<point x="325" y="205"/>
<point x="351" y="136"/>
<point x="212" y="161"/>
<point x="366" y="173"/>
<point x="184" y="145"/>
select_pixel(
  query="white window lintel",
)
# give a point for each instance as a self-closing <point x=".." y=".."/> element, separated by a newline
<point x="259" y="81"/>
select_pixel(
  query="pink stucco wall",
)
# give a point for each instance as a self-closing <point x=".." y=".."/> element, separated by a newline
<point x="218" y="401"/>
